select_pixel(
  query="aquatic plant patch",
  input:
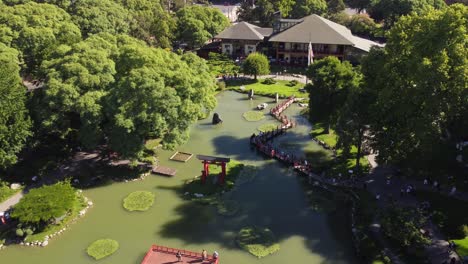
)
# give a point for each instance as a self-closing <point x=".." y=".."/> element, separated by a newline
<point x="102" y="248"/>
<point x="253" y="116"/>
<point x="228" y="207"/>
<point x="138" y="201"/>
<point x="258" y="241"/>
<point x="267" y="127"/>
<point x="247" y="174"/>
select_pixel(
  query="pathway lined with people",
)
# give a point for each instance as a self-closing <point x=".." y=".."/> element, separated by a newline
<point x="376" y="183"/>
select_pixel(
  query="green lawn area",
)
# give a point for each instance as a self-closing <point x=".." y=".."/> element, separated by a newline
<point x="280" y="87"/>
<point x="462" y="246"/>
<point x="318" y="132"/>
<point x="6" y="192"/>
<point x="343" y="164"/>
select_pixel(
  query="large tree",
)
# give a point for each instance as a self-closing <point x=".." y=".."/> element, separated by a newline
<point x="150" y="22"/>
<point x="36" y="30"/>
<point x="390" y="10"/>
<point x="100" y="16"/>
<point x="197" y="24"/>
<point x="256" y="64"/>
<point x="14" y="120"/>
<point x="421" y="79"/>
<point x="117" y="90"/>
<point x="330" y="81"/>
<point x="304" y="8"/>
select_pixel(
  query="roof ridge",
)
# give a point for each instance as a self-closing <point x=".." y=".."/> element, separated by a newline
<point x="325" y="21"/>
<point x="251" y="27"/>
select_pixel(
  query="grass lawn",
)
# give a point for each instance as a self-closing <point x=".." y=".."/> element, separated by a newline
<point x="78" y="206"/>
<point x="139" y="201"/>
<point x="6" y="192"/>
<point x="253" y="116"/>
<point x="270" y="90"/>
<point x="318" y="132"/>
<point x="259" y="242"/>
<point x="462" y="246"/>
<point x="102" y="248"/>
<point x="343" y="165"/>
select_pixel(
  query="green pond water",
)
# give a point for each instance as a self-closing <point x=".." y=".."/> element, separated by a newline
<point x="274" y="199"/>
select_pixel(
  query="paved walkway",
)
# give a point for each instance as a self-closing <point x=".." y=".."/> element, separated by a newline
<point x="11" y="201"/>
<point x="437" y="250"/>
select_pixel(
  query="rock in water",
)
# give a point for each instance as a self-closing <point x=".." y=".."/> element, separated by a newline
<point x="216" y="119"/>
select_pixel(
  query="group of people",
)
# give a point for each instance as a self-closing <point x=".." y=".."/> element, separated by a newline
<point x="277" y="110"/>
<point x="437" y="186"/>
<point x="204" y="255"/>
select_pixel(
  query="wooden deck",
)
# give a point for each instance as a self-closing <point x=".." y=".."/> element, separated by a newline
<point x="166" y="171"/>
<point x="165" y="255"/>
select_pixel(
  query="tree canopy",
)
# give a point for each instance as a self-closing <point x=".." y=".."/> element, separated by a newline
<point x="197" y="24"/>
<point x="390" y="10"/>
<point x="330" y="81"/>
<point x="36" y="30"/>
<point x="42" y="204"/>
<point x="256" y="64"/>
<point x="100" y="16"/>
<point x="117" y="89"/>
<point x="421" y="79"/>
<point x="14" y="121"/>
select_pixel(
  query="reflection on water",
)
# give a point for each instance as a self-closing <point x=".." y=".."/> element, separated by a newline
<point x="273" y="199"/>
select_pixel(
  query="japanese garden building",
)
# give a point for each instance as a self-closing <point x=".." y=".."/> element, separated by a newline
<point x="288" y="41"/>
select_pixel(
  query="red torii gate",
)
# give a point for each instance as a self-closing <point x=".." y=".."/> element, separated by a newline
<point x="210" y="160"/>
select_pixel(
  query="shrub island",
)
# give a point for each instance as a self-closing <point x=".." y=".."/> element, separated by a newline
<point x="102" y="248"/>
<point x="138" y="201"/>
<point x="258" y="241"/>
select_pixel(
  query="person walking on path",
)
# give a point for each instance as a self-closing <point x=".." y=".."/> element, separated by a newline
<point x="204" y="255"/>
<point x="179" y="256"/>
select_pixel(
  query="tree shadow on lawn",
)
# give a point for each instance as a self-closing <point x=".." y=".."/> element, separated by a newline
<point x="273" y="199"/>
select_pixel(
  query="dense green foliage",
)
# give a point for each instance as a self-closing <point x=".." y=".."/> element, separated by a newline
<point x="116" y="87"/>
<point x="420" y="85"/>
<point x="256" y="64"/>
<point x="403" y="225"/>
<point x="100" y="16"/>
<point x="36" y="30"/>
<point x="43" y="204"/>
<point x="258" y="241"/>
<point x="330" y="82"/>
<point x="14" y="121"/>
<point x="197" y="24"/>
<point x="99" y="84"/>
<point x="138" y="201"/>
<point x="390" y="11"/>
<point x="221" y="64"/>
<point x="102" y="248"/>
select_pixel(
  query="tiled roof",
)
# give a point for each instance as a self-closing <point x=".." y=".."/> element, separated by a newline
<point x="244" y="30"/>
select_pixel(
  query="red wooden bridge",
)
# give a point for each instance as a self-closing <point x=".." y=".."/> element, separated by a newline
<point x="166" y="255"/>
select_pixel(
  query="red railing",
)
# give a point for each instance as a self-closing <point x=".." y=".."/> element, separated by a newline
<point x="173" y="251"/>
